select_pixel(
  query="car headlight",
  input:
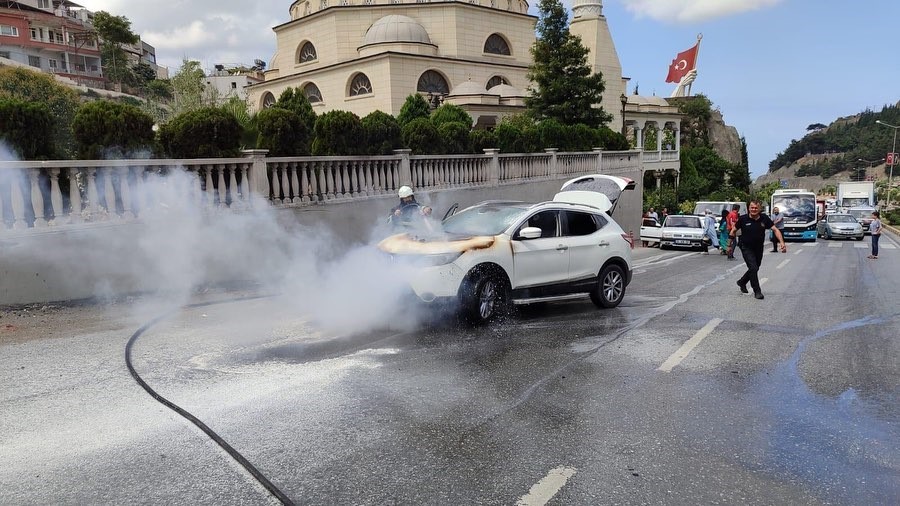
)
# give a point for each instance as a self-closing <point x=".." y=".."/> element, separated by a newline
<point x="668" y="235"/>
<point x="434" y="260"/>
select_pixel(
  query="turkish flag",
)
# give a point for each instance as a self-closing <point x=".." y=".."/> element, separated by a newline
<point x="685" y="62"/>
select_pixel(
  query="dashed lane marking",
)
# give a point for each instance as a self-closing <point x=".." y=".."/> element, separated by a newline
<point x="689" y="345"/>
<point x="835" y="245"/>
<point x="544" y="490"/>
<point x="798" y="251"/>
<point x="887" y="246"/>
<point x="783" y="263"/>
<point x="861" y="245"/>
<point x="763" y="281"/>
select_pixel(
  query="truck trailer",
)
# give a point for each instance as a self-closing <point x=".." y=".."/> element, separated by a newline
<point x="856" y="194"/>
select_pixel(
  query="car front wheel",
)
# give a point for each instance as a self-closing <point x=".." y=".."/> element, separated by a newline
<point x="485" y="297"/>
<point x="610" y="287"/>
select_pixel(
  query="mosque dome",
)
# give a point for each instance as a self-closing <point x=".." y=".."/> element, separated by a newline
<point x="468" y="88"/>
<point x="505" y="90"/>
<point x="396" y="28"/>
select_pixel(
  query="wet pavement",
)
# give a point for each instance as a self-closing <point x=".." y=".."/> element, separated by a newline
<point x="789" y="400"/>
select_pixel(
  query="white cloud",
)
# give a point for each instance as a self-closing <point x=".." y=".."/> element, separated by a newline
<point x="692" y="11"/>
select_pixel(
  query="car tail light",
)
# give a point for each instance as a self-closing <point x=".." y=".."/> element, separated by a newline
<point x="629" y="238"/>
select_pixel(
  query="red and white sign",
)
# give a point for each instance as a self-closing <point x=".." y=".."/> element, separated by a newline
<point x="892" y="158"/>
<point x="685" y="62"/>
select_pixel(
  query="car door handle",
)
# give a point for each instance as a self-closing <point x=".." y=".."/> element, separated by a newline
<point x="562" y="247"/>
<point x="603" y="243"/>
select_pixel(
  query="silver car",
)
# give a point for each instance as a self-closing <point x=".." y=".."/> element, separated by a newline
<point x="840" y="225"/>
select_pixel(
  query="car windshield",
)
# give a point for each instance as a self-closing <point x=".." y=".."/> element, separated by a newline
<point x="683" y="222"/>
<point x="796" y="208"/>
<point x="860" y="214"/>
<point x="483" y="219"/>
<point x="842" y="218"/>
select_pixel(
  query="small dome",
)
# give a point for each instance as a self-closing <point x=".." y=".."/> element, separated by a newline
<point x="396" y="28"/>
<point x="468" y="88"/>
<point x="642" y="100"/>
<point x="505" y="90"/>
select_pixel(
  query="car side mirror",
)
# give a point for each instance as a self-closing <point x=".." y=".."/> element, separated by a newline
<point x="530" y="233"/>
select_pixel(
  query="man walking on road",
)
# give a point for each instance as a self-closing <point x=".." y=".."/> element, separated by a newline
<point x="731" y="220"/>
<point x="778" y="220"/>
<point x="752" y="228"/>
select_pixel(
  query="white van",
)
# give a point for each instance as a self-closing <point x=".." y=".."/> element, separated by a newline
<point x="717" y="207"/>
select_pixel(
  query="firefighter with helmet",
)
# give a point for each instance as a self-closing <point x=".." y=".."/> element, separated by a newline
<point x="408" y="208"/>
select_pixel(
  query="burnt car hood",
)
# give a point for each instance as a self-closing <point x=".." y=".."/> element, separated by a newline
<point x="405" y="244"/>
<point x="597" y="190"/>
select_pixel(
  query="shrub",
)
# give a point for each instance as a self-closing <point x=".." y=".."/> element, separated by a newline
<point x="450" y="113"/>
<point x="37" y="87"/>
<point x="611" y="140"/>
<point x="421" y="136"/>
<point x="107" y="129"/>
<point x="414" y="107"/>
<point x="551" y="134"/>
<point x="382" y="133"/>
<point x="208" y="132"/>
<point x="455" y="137"/>
<point x="282" y="132"/>
<point x="481" y="140"/>
<point x="26" y="126"/>
<point x="582" y="138"/>
<point x="295" y="101"/>
<point x="337" y="133"/>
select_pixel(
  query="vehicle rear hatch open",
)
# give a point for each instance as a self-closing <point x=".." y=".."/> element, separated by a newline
<point x="597" y="190"/>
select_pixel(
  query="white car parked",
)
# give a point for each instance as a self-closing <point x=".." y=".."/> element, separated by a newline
<point x="499" y="252"/>
<point x="682" y="231"/>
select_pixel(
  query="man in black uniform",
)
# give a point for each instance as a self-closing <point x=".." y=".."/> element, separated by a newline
<point x="752" y="228"/>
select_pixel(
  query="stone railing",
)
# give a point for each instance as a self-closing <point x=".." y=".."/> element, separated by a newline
<point x="36" y="195"/>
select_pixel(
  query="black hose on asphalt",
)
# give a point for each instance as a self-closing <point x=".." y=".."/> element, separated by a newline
<point x="191" y="418"/>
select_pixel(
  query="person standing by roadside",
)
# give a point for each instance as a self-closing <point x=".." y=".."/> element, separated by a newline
<point x="723" y="232"/>
<point x="653" y="214"/>
<point x="875" y="228"/>
<point x="752" y="227"/>
<point x="709" y="232"/>
<point x="731" y="220"/>
<point x="664" y="213"/>
<point x="778" y="220"/>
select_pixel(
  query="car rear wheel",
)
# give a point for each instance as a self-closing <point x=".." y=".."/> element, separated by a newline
<point x="485" y="297"/>
<point x="610" y="287"/>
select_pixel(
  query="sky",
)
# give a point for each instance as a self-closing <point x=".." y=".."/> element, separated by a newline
<point x="772" y="67"/>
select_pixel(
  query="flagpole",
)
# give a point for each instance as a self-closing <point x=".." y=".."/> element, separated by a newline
<point x="696" y="61"/>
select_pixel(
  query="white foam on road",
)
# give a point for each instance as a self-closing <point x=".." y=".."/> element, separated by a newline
<point x="544" y="490"/>
<point x="689" y="345"/>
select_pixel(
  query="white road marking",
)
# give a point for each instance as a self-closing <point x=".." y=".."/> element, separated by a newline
<point x="887" y="246"/>
<point x="834" y="245"/>
<point x="783" y="263"/>
<point x="798" y="251"/>
<point x="689" y="345"/>
<point x="763" y="281"/>
<point x="544" y="490"/>
<point x="861" y="245"/>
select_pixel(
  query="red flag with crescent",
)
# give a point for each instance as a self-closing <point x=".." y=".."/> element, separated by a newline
<point x="685" y="62"/>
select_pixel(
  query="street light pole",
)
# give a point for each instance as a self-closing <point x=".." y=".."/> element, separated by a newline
<point x="624" y="99"/>
<point x="893" y="161"/>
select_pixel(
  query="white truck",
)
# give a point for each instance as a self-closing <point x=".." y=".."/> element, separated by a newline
<point x="855" y="194"/>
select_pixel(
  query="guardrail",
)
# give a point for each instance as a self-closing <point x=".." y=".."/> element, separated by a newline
<point x="36" y="195"/>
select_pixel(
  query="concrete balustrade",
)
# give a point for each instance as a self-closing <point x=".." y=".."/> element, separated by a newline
<point x="50" y="194"/>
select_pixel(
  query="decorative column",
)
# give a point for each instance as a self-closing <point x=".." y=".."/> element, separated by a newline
<point x="259" y="178"/>
<point x="37" y="200"/>
<point x="639" y="135"/>
<point x="405" y="171"/>
<point x="553" y="168"/>
<point x="18" y="204"/>
<point x="56" y="196"/>
<point x="74" y="196"/>
<point x="599" y="165"/>
<point x="494" y="166"/>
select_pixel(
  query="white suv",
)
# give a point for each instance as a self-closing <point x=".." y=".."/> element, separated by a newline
<point x="499" y="252"/>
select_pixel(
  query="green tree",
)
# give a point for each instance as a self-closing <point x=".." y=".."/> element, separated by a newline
<point x="282" y="132"/>
<point x="25" y="127"/>
<point x="612" y="140"/>
<point x="337" y="133"/>
<point x="40" y="88"/>
<point x="142" y="74"/>
<point x="107" y="129"/>
<point x="422" y="137"/>
<point x="207" y="132"/>
<point x="293" y="99"/>
<point x="455" y="137"/>
<point x="114" y="32"/>
<point x="695" y="126"/>
<point x="414" y="107"/>
<point x="481" y="140"/>
<point x="450" y="113"/>
<point x="240" y="109"/>
<point x="188" y="87"/>
<point x="563" y="85"/>
<point x="382" y="133"/>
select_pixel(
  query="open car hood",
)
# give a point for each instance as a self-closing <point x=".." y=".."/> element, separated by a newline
<point x="597" y="190"/>
<point x="404" y="244"/>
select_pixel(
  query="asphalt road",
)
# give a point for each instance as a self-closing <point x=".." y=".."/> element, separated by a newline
<point x="688" y="393"/>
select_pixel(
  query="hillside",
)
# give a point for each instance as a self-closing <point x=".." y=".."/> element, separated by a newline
<point x="816" y="183"/>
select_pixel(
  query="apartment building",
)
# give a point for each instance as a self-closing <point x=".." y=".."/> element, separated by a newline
<point x="56" y="36"/>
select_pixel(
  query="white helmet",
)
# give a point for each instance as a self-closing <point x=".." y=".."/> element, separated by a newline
<point x="405" y="191"/>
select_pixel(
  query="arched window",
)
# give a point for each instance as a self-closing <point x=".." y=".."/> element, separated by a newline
<point x="495" y="44"/>
<point x="307" y="53"/>
<point x="312" y="93"/>
<point x="496" y="80"/>
<point x="268" y="100"/>
<point x="360" y="85"/>
<point x="432" y="82"/>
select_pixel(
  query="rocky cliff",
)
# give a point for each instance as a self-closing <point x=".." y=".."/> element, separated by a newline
<point x="724" y="139"/>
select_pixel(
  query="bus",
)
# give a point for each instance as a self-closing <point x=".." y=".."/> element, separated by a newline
<point x="799" y="210"/>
